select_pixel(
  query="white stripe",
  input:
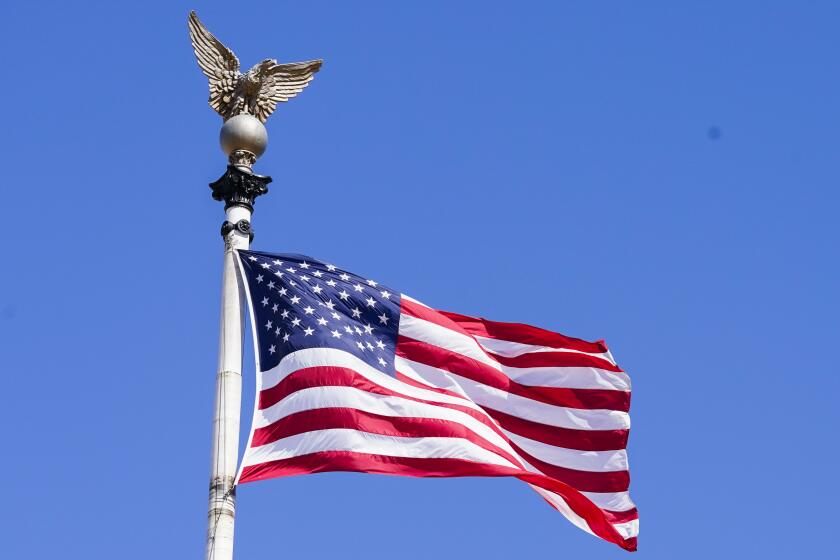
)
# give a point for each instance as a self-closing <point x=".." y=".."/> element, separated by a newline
<point x="613" y="501"/>
<point x="593" y="461"/>
<point x="521" y="407"/>
<point x="513" y="349"/>
<point x="560" y="504"/>
<point x="625" y="530"/>
<point x="323" y="357"/>
<point x="431" y="333"/>
<point x="628" y="530"/>
<point x="361" y="442"/>
<point x="569" y="377"/>
<point x="315" y="398"/>
<point x="412" y="300"/>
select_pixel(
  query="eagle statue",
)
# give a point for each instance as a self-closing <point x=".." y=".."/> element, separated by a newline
<point x="257" y="91"/>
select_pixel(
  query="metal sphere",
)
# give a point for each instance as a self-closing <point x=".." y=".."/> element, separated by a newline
<point x="243" y="132"/>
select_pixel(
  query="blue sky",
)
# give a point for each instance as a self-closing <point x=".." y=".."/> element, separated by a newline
<point x="662" y="175"/>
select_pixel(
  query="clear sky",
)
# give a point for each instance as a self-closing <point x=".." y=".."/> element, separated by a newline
<point x="663" y="175"/>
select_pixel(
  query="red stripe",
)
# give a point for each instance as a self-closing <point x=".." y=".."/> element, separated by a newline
<point x="555" y="359"/>
<point x="479" y="372"/>
<point x="512" y="332"/>
<point x="328" y="376"/>
<point x="621" y="516"/>
<point x="585" y="481"/>
<point x="524" y="334"/>
<point x="533" y="359"/>
<point x="584" y="440"/>
<point x="331" y="461"/>
<point x="421" y="312"/>
<point x="354" y="419"/>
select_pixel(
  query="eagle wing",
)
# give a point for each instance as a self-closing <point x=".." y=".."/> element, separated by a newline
<point x="281" y="82"/>
<point x="217" y="62"/>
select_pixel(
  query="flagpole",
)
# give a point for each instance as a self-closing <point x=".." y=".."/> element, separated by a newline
<point x="244" y="99"/>
<point x="243" y="139"/>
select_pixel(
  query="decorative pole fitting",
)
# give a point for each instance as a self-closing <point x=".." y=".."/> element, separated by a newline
<point x="239" y="187"/>
<point x="244" y="101"/>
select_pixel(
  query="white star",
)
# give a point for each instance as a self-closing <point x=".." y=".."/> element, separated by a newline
<point x="285" y="314"/>
<point x="278" y="274"/>
<point x="331" y="283"/>
<point x="322" y="321"/>
<point x="272" y="349"/>
<point x="270" y="284"/>
<point x="277" y="331"/>
<point x="348" y="329"/>
<point x="369" y="345"/>
<point x="275" y="307"/>
<point x="331" y="267"/>
<point x="309" y="310"/>
<point x="335" y="316"/>
<point x="259" y="279"/>
<point x="265" y="301"/>
<point x="356" y="313"/>
<point x="308" y="331"/>
<point x="304" y="265"/>
<point x="380" y="345"/>
<point x="283" y="291"/>
<point x="278" y="263"/>
<point x="317" y="289"/>
<point x="286" y="337"/>
<point x="383" y="319"/>
<point x="292" y="283"/>
<point x="290" y="269"/>
<point x="296" y="322"/>
<point x="343" y="295"/>
<point x="295" y="299"/>
<point x="305" y="278"/>
<point x="371" y="283"/>
<point x="368" y="329"/>
<point x="386" y="294"/>
<point x="370" y="302"/>
<point x="265" y="265"/>
<point x="358" y="331"/>
<point x="317" y="274"/>
<point x="382" y="362"/>
<point x="252" y="258"/>
<point x="269" y="325"/>
<point x="329" y="303"/>
<point x="360" y="345"/>
<point x="344" y="276"/>
<point x="358" y="287"/>
<point x="336" y="334"/>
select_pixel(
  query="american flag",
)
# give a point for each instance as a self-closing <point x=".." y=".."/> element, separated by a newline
<point x="354" y="376"/>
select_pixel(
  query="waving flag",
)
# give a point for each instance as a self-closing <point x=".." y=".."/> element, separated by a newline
<point x="354" y="376"/>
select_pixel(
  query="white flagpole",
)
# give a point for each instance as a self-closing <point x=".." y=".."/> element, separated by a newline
<point x="243" y="138"/>
<point x="225" y="447"/>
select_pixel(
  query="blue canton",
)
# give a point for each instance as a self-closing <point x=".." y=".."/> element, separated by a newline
<point x="299" y="302"/>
